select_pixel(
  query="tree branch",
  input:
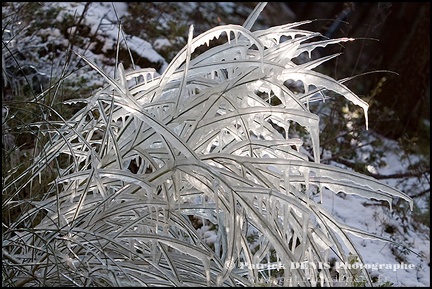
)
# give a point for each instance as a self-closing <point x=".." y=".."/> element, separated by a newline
<point x="408" y="174"/>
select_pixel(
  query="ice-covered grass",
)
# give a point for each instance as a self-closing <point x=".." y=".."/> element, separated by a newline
<point x="181" y="179"/>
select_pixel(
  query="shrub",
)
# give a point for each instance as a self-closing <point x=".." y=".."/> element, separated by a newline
<point x="190" y="177"/>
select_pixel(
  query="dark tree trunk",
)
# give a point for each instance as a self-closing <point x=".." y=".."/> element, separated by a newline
<point x="405" y="48"/>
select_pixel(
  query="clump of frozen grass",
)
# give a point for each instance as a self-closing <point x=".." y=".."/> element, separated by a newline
<point x="150" y="155"/>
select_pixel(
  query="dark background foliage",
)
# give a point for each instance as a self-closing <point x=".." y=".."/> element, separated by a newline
<point x="392" y="36"/>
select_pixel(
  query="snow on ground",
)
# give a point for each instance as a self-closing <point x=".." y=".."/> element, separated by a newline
<point x="400" y="266"/>
<point x="104" y="18"/>
<point x="414" y="271"/>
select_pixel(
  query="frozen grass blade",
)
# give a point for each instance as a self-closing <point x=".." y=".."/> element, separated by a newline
<point x="183" y="178"/>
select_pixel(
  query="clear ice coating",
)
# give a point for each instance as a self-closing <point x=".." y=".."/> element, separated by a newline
<point x="218" y="155"/>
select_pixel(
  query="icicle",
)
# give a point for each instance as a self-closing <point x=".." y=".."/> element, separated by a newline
<point x="221" y="136"/>
<point x="321" y="278"/>
<point x="286" y="180"/>
<point x="206" y="264"/>
<point x="153" y="250"/>
<point x="268" y="264"/>
<point x="239" y="224"/>
<point x="131" y="248"/>
<point x="122" y="76"/>
<point x="321" y="194"/>
<point x="259" y="203"/>
<point x="217" y="244"/>
<point x="215" y="186"/>
<point x="260" y="129"/>
<point x="275" y="209"/>
<point x="73" y="192"/>
<point x="203" y="200"/>
<point x="304" y="231"/>
<point x="186" y="70"/>
<point x="365" y="109"/>
<point x="311" y="272"/>
<point x="165" y="221"/>
<point x="157" y="219"/>
<point x="176" y="186"/>
<point x="294" y="241"/>
<point x="314" y="131"/>
<point x="285" y="223"/>
<point x="288" y="280"/>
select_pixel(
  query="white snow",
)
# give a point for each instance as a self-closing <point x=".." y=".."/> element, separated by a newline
<point x="104" y="19"/>
<point x="414" y="271"/>
<point x="350" y="210"/>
